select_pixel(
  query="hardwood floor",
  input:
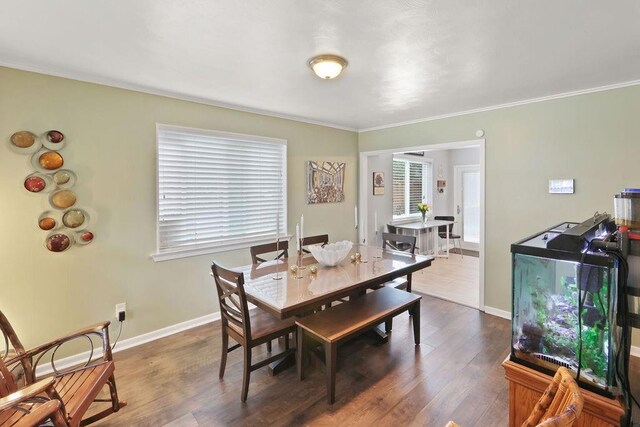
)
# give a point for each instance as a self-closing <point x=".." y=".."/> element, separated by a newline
<point x="455" y="279"/>
<point x="455" y="374"/>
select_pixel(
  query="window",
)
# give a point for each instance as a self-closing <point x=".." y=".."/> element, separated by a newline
<point x="412" y="184"/>
<point x="218" y="191"/>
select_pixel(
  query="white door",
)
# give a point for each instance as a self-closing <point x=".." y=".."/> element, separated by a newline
<point x="467" y="205"/>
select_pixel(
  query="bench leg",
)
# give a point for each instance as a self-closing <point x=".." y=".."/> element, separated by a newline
<point x="388" y="325"/>
<point x="416" y="322"/>
<point x="300" y="352"/>
<point x="330" y="354"/>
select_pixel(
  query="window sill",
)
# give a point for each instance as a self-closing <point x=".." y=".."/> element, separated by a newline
<point x="192" y="252"/>
<point x="406" y="219"/>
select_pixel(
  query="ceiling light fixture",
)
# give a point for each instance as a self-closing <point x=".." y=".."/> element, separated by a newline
<point x="327" y="66"/>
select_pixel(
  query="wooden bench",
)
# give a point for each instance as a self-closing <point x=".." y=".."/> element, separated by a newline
<point x="337" y="324"/>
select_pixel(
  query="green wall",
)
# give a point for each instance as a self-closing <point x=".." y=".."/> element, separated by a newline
<point x="111" y="146"/>
<point x="594" y="138"/>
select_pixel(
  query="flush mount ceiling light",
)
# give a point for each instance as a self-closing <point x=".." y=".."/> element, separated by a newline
<point x="327" y="66"/>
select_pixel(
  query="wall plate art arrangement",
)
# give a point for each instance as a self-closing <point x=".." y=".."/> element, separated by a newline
<point x="65" y="223"/>
<point x="325" y="182"/>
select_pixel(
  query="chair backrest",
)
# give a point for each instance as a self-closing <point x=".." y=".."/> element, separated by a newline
<point x="399" y="242"/>
<point x="7" y="382"/>
<point x="443" y="228"/>
<point x="320" y="239"/>
<point x="560" y="405"/>
<point x="232" y="299"/>
<point x="281" y="250"/>
<point x="10" y="340"/>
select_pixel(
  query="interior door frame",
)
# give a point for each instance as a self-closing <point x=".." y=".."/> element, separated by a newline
<point x="457" y="201"/>
<point x="363" y="194"/>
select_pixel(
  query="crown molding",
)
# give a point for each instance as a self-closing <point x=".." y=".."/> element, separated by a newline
<point x="507" y="105"/>
<point x="88" y="78"/>
<point x="105" y="81"/>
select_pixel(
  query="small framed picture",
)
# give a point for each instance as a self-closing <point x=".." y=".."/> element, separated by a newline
<point x="378" y="183"/>
<point x="441" y="185"/>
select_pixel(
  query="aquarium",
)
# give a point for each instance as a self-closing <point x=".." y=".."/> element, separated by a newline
<point x="564" y="305"/>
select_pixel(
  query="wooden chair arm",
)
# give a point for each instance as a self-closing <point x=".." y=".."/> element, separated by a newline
<point x="26" y="393"/>
<point x="101" y="329"/>
<point x="48" y="410"/>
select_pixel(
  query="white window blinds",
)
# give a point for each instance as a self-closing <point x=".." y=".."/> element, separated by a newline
<point x="412" y="184"/>
<point x="218" y="191"/>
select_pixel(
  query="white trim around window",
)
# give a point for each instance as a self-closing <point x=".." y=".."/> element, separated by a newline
<point x="217" y="191"/>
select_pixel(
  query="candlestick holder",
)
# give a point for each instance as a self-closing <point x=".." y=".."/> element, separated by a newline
<point x="299" y="261"/>
<point x="277" y="276"/>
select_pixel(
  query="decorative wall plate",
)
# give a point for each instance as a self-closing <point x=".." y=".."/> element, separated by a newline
<point x="58" y="241"/>
<point x="74" y="218"/>
<point x="38" y="183"/>
<point x="46" y="161"/>
<point x="64" y="178"/>
<point x="49" y="220"/>
<point x="53" y="140"/>
<point x="62" y="199"/>
<point x="24" y="142"/>
<point x="84" y="237"/>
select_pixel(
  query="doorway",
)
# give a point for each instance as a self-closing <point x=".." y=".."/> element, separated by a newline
<point x="457" y="278"/>
<point x="467" y="205"/>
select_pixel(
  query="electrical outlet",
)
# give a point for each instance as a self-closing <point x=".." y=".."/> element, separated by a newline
<point x="121" y="310"/>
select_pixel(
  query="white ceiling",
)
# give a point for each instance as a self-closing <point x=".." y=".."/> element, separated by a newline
<point x="408" y="60"/>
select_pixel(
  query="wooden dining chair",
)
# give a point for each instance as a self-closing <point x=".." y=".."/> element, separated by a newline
<point x="248" y="329"/>
<point x="442" y="232"/>
<point x="279" y="249"/>
<point x="394" y="230"/>
<point x="77" y="387"/>
<point x="320" y="239"/>
<point x="404" y="243"/>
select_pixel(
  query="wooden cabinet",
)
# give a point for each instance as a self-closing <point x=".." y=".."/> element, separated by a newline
<point x="526" y="385"/>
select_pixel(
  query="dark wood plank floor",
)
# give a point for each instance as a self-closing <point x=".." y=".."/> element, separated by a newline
<point x="455" y="374"/>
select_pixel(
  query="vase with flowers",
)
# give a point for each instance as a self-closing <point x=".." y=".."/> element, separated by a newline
<point x="424" y="208"/>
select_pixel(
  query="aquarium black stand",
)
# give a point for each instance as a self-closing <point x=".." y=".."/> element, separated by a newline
<point x="526" y="385"/>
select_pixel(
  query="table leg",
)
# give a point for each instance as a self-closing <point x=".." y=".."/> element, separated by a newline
<point x="447" y="241"/>
<point x="285" y="363"/>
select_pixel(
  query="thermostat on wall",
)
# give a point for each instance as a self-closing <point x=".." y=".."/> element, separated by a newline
<point x="561" y="186"/>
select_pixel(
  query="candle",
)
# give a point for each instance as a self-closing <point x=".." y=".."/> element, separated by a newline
<point x="375" y="221"/>
<point x="298" y="237"/>
<point x="302" y="226"/>
<point x="278" y="226"/>
<point x="356" y="217"/>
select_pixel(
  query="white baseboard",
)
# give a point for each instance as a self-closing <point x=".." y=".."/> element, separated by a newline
<point x="129" y="342"/>
<point x="497" y="312"/>
<point x="635" y="351"/>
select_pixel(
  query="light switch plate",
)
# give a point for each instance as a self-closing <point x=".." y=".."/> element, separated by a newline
<point x="561" y="186"/>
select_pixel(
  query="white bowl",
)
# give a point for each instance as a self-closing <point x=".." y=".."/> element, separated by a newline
<point x="331" y="254"/>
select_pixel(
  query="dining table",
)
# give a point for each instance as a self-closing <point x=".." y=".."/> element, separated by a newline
<point x="275" y="288"/>
<point x="421" y="228"/>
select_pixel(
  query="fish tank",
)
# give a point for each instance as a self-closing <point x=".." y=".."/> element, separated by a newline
<point x="564" y="304"/>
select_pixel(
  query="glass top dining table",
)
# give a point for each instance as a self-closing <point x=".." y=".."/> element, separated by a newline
<point x="273" y="287"/>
